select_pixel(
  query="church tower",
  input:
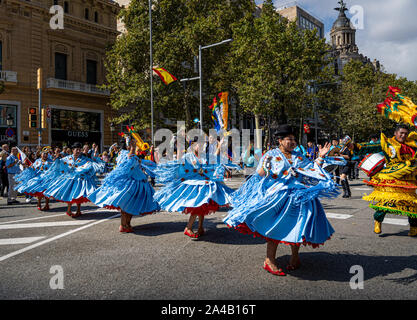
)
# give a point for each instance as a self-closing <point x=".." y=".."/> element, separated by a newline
<point x="343" y="42"/>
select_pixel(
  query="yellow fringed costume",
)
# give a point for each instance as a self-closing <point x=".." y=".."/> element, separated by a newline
<point x="395" y="186"/>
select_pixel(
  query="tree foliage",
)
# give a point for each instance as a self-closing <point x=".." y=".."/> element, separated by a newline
<point x="361" y="90"/>
<point x="179" y="27"/>
<point x="274" y="61"/>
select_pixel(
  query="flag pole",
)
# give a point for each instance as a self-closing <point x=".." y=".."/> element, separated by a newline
<point x="151" y="66"/>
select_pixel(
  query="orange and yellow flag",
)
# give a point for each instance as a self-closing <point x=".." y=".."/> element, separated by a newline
<point x="165" y="76"/>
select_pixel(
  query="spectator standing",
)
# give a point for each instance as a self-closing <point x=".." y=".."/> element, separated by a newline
<point x="3" y="172"/>
<point x="5" y="147"/>
<point x="311" y="151"/>
<point x="85" y="150"/>
<point x="12" y="164"/>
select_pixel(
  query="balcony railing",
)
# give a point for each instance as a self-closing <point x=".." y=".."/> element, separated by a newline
<point x="8" y="76"/>
<point x="75" y="86"/>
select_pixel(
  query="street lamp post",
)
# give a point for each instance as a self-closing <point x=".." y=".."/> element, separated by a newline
<point x="112" y="129"/>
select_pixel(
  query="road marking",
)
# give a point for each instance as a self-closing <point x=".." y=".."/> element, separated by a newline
<point x="19" y="240"/>
<point x="398" y="222"/>
<point x="59" y="215"/>
<point x="35" y="245"/>
<point x="363" y="189"/>
<point x="338" y="216"/>
<point x="43" y="224"/>
<point x="43" y="217"/>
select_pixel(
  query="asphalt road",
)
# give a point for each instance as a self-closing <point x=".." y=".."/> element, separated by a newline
<point x="52" y="256"/>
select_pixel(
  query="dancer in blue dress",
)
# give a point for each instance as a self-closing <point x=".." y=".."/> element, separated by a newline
<point x="196" y="188"/>
<point x="126" y="188"/>
<point x="280" y="203"/>
<point x="77" y="180"/>
<point x="34" y="186"/>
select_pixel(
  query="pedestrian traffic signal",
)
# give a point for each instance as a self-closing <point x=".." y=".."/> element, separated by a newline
<point x="33" y="118"/>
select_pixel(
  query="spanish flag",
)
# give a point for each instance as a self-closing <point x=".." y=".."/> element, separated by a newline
<point x="165" y="76"/>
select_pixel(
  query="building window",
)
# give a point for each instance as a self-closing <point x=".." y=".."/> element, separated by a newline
<point x="60" y="66"/>
<point x="91" y="72"/>
<point x="55" y="2"/>
<point x="8" y="132"/>
<point x="86" y="14"/>
<point x="1" y="55"/>
<point x="96" y="16"/>
<point x="66" y="7"/>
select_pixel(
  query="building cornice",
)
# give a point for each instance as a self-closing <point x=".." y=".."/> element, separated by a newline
<point x="68" y="18"/>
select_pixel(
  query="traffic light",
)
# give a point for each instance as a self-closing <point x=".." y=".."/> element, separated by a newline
<point x="43" y="118"/>
<point x="33" y="118"/>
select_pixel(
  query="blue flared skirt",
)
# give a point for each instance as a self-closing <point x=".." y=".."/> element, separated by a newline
<point x="71" y="189"/>
<point x="183" y="196"/>
<point x="129" y="195"/>
<point x="280" y="218"/>
<point x="33" y="187"/>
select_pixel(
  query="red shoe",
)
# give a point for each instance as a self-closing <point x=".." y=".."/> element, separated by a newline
<point x="39" y="208"/>
<point x="279" y="272"/>
<point x="191" y="235"/>
<point x="69" y="214"/>
<point x="125" y="230"/>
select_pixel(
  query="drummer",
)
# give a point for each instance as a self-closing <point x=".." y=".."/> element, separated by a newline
<point x="335" y="151"/>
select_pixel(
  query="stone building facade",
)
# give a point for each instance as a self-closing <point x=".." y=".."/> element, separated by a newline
<point x="72" y="61"/>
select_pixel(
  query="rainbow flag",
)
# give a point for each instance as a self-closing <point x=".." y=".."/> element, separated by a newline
<point x="23" y="158"/>
<point x="220" y="111"/>
<point x="165" y="76"/>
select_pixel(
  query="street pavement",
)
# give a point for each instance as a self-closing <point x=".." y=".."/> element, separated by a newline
<point x="52" y="256"/>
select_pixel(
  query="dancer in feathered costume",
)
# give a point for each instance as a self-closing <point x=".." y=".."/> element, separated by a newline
<point x="395" y="185"/>
<point x="77" y="180"/>
<point x="193" y="187"/>
<point x="126" y="188"/>
<point x="34" y="186"/>
<point x="280" y="202"/>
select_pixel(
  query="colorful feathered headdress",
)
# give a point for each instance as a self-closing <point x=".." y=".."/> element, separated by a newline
<point x="132" y="132"/>
<point x="398" y="107"/>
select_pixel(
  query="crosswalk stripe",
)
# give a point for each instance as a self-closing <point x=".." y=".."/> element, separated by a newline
<point x="363" y="189"/>
<point x="35" y="245"/>
<point x="37" y="218"/>
<point x="338" y="216"/>
<point x="43" y="224"/>
<point x="398" y="222"/>
<point x="10" y="241"/>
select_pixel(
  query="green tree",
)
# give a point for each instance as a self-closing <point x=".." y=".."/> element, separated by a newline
<point x="179" y="27"/>
<point x="273" y="62"/>
<point x="362" y="90"/>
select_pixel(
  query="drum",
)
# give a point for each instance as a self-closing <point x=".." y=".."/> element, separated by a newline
<point x="372" y="164"/>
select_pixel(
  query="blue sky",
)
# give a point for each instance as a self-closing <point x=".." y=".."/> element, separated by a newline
<point x="389" y="32"/>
